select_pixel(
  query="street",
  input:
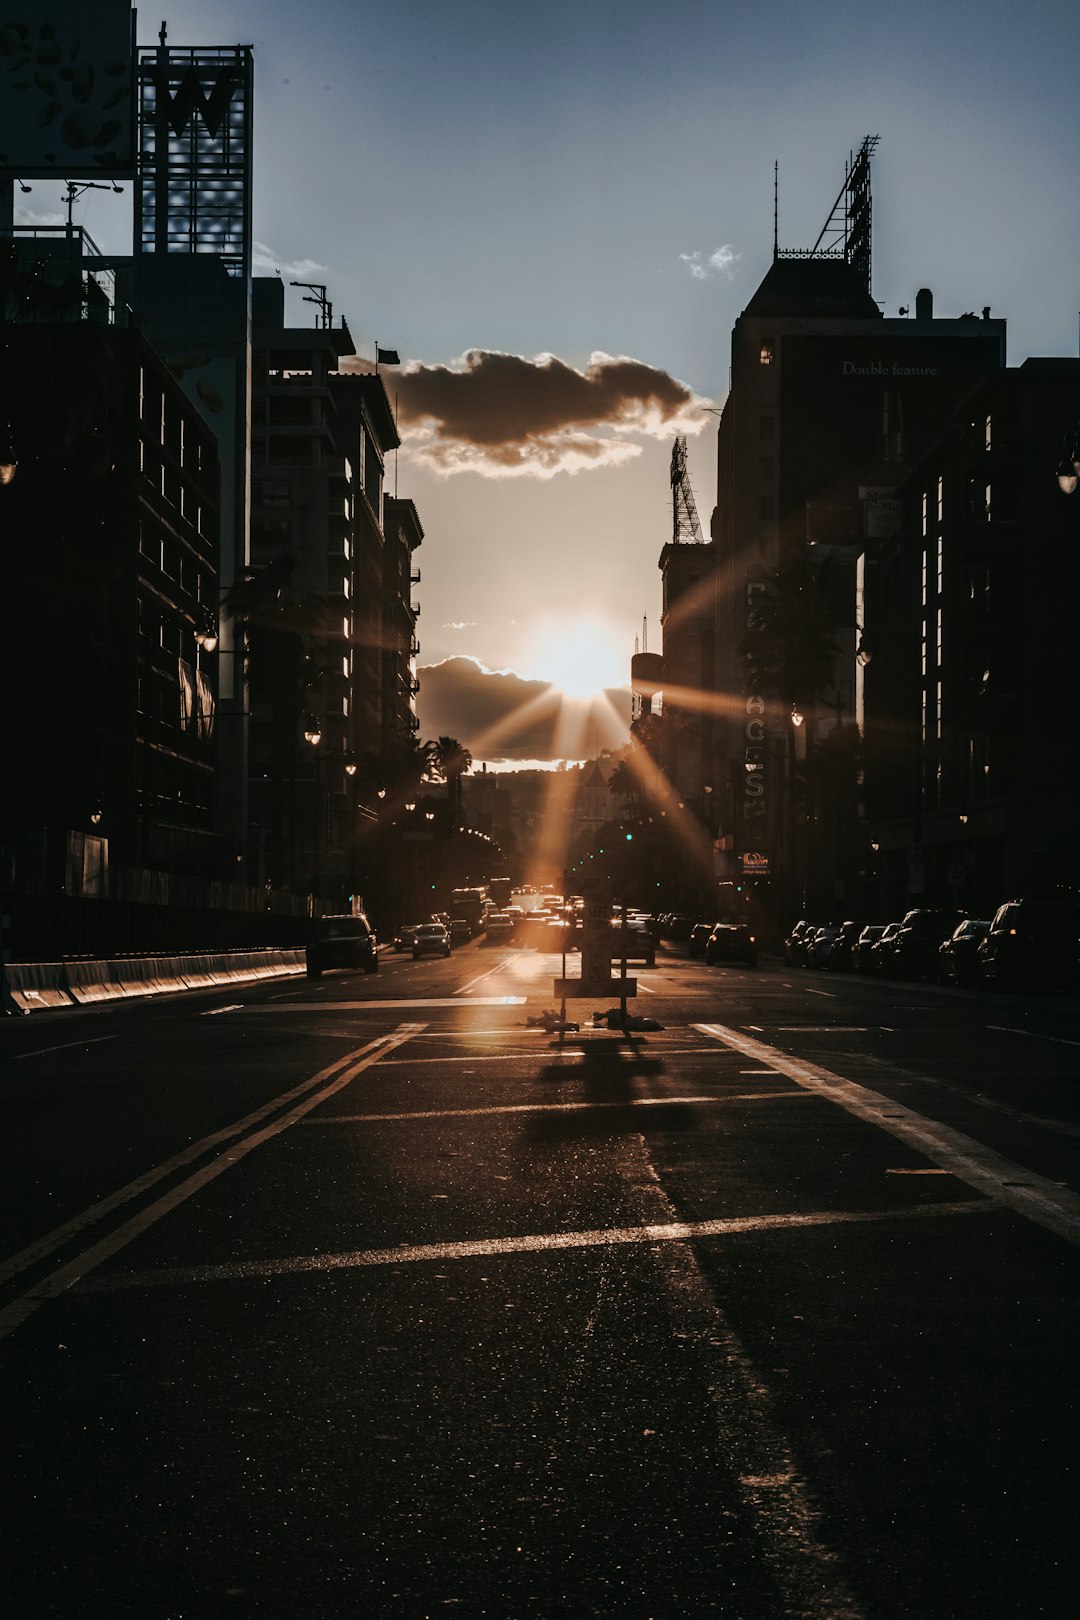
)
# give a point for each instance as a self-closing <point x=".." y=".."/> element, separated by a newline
<point x="367" y="1297"/>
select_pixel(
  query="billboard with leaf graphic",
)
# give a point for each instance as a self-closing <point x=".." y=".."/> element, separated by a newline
<point x="67" y="102"/>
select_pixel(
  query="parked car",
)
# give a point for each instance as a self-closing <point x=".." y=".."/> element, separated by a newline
<point x="460" y="931"/>
<point x="861" y="957"/>
<point x="793" y="943"/>
<point x="819" y="944"/>
<point x="881" y="952"/>
<point x="342" y="942"/>
<point x="843" y="946"/>
<point x="499" y="928"/>
<point x="431" y="939"/>
<point x="633" y="943"/>
<point x="918" y="940"/>
<point x="731" y="942"/>
<point x="958" y="956"/>
<point x="1032" y="945"/>
<point x="698" y="938"/>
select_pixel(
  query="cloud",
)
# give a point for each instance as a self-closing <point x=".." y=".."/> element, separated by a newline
<point x="502" y="716"/>
<point x="505" y="415"/>
<point x="458" y="624"/>
<point x="724" y="262"/>
<point x="265" y="261"/>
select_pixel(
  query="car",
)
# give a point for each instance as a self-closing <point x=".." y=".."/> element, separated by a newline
<point x="958" y="956"/>
<point x="881" y="951"/>
<point x="698" y="938"/>
<point x="861" y="959"/>
<point x="1032" y="945"/>
<point x="818" y="947"/>
<point x="919" y="938"/>
<point x="499" y="928"/>
<point x="460" y="931"/>
<point x="731" y="942"/>
<point x="342" y="942"/>
<point x="843" y="945"/>
<point x="404" y="937"/>
<point x="793" y="943"/>
<point x="632" y="942"/>
<point x="431" y="939"/>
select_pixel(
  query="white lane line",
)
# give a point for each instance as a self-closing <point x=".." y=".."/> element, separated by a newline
<point x="822" y="1029"/>
<point x="713" y="1101"/>
<point x="832" y="994"/>
<point x="568" y="1055"/>
<point x="990" y="1173"/>
<point x="500" y="967"/>
<point x="233" y="1006"/>
<point x="1032" y="1035"/>
<point x="54" y="1240"/>
<point x="65" y="1276"/>
<point x="527" y="1243"/>
<point x="94" y="1040"/>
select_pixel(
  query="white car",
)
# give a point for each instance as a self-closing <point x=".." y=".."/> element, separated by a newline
<point x="499" y="928"/>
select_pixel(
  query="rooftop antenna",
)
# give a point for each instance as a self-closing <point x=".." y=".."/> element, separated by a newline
<point x="685" y="525"/>
<point x="846" y="233"/>
<point x="325" y="307"/>
<point x="776" y="210"/>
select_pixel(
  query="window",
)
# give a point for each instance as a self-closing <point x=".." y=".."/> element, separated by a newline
<point x="989" y="435"/>
<point x="925" y="504"/>
<point x="940" y="498"/>
<point x="767" y="427"/>
<point x="765" y="355"/>
<point x="767" y="508"/>
<point x="767" y="467"/>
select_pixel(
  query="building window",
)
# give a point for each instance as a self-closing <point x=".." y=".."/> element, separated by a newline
<point x="767" y="427"/>
<point x="988" y="434"/>
<point x="940" y="498"/>
<point x="767" y="508"/>
<point x="925" y="504"/>
<point x="767" y="467"/>
<point x="987" y="504"/>
<point x="765" y="355"/>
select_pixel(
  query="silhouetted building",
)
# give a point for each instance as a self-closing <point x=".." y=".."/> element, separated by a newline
<point x="830" y="404"/>
<point x="970" y="696"/>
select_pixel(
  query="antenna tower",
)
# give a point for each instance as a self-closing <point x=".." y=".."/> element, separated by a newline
<point x="847" y="231"/>
<point x="685" y="525"/>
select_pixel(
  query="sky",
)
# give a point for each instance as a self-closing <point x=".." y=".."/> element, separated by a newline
<point x="555" y="213"/>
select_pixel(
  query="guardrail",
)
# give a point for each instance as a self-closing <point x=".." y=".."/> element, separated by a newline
<point x="35" y="986"/>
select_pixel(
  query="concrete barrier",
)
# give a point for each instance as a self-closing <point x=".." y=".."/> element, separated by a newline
<point x="90" y="981"/>
<point x="36" y="985"/>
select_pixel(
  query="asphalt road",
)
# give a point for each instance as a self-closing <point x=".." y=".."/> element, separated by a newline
<point x="367" y="1298"/>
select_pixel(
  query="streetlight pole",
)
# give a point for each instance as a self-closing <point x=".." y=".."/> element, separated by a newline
<point x="313" y="735"/>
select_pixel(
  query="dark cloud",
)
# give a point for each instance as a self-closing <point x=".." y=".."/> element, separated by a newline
<point x="500" y="715"/>
<point x="505" y="414"/>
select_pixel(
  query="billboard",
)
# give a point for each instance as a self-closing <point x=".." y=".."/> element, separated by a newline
<point x="67" y="90"/>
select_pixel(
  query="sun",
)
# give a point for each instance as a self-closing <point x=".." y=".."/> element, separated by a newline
<point x="582" y="657"/>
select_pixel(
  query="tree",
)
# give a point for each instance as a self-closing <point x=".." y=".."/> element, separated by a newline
<point x="450" y="761"/>
<point x="623" y="784"/>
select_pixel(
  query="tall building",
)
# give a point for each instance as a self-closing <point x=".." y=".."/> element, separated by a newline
<point x="830" y="404"/>
<point x="971" y="612"/>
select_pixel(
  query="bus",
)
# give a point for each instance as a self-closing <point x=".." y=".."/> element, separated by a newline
<point x="500" y="892"/>
<point x="469" y="904"/>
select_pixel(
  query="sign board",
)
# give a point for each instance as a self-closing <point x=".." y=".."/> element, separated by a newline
<point x="67" y="90"/>
<point x="591" y="986"/>
<point x="755" y="864"/>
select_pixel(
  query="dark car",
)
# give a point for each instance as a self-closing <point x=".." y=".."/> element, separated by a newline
<point x="958" y="956"/>
<point x="793" y="943"/>
<point x="632" y="943"/>
<point x="698" y="938"/>
<point x="342" y="942"/>
<point x="731" y="942"/>
<point x="861" y="959"/>
<point x="1032" y="945"/>
<point x="881" y="951"/>
<point x="843" y="946"/>
<point x="918" y="939"/>
<point x="460" y="931"/>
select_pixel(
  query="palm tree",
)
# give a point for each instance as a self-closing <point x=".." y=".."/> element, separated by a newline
<point x="450" y="761"/>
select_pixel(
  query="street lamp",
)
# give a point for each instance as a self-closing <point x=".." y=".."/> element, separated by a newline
<point x="1068" y="472"/>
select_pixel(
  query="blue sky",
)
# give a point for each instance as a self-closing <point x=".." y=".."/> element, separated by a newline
<point x="538" y="180"/>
